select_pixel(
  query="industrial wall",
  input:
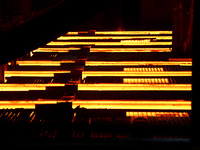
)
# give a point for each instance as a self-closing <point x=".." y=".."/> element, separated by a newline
<point x="16" y="12"/>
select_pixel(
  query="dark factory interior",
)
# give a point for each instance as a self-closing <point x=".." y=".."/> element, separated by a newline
<point x="101" y="73"/>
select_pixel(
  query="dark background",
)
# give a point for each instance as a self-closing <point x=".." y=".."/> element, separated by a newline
<point x="28" y="24"/>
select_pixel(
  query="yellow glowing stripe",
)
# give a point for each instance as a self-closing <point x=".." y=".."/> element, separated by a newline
<point x="107" y="104"/>
<point x="138" y="105"/>
<point x="22" y="88"/>
<point x="26" y="104"/>
<point x="111" y="37"/>
<point x="55" y="49"/>
<point x="145" y="80"/>
<point x="136" y="63"/>
<point x="143" y="69"/>
<point x="157" y="114"/>
<point x="51" y="50"/>
<point x="133" y="102"/>
<point x="132" y="74"/>
<point x="134" y="87"/>
<point x="123" y="32"/>
<point x="72" y="33"/>
<point x="130" y="50"/>
<point x="28" y="87"/>
<point x="33" y="73"/>
<point x="42" y="63"/>
<point x="109" y="43"/>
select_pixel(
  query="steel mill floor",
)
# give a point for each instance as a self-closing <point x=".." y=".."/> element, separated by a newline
<point x="98" y="86"/>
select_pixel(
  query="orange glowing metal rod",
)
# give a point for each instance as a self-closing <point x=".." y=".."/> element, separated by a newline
<point x="42" y="63"/>
<point x="40" y="88"/>
<point x="76" y="33"/>
<point x="143" y="69"/>
<point x="136" y="63"/>
<point x="123" y="32"/>
<point x="56" y="49"/>
<point x="180" y="59"/>
<point x="145" y="80"/>
<point x="26" y="104"/>
<point x="112" y="37"/>
<point x="133" y="102"/>
<point x="110" y="43"/>
<point x="156" y="114"/>
<point x="132" y="32"/>
<point x="106" y="104"/>
<point x="33" y="73"/>
<point x="137" y="105"/>
<point x="134" y="87"/>
<point x="27" y="87"/>
<point x="30" y="85"/>
<point x="114" y="50"/>
<point x="133" y="74"/>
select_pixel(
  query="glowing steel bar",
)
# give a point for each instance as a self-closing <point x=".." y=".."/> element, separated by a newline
<point x="133" y="32"/>
<point x="156" y="114"/>
<point x="42" y="63"/>
<point x="76" y="33"/>
<point x="28" y="87"/>
<point x="180" y="59"/>
<point x="123" y="32"/>
<point x="22" y="88"/>
<point x="27" y="84"/>
<point x="113" y="50"/>
<point x="132" y="73"/>
<point x="109" y="43"/>
<point x="136" y="63"/>
<point x="112" y="37"/>
<point x="137" y="105"/>
<point x="143" y="69"/>
<point x="26" y="104"/>
<point x="33" y="73"/>
<point x="145" y="80"/>
<point x="134" y="87"/>
<point x="56" y="49"/>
